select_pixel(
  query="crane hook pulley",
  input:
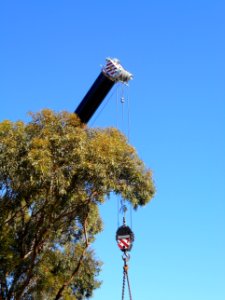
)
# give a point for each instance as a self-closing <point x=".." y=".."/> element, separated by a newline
<point x="125" y="238"/>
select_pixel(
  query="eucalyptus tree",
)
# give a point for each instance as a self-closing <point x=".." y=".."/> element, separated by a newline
<point x="54" y="174"/>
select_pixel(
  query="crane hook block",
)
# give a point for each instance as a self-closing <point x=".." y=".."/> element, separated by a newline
<point x="124" y="238"/>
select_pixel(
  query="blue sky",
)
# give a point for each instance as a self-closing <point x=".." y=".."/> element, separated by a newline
<point x="50" y="54"/>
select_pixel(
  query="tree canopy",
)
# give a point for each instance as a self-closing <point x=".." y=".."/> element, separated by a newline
<point x="54" y="173"/>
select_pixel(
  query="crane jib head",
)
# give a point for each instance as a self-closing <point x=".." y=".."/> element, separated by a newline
<point x="114" y="71"/>
<point x="111" y="73"/>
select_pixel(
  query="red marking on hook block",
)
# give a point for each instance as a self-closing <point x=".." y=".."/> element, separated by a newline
<point x="124" y="243"/>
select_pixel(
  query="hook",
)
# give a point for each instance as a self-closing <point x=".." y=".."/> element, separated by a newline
<point x="125" y="257"/>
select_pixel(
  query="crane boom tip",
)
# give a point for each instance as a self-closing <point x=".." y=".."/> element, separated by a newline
<point x="114" y="71"/>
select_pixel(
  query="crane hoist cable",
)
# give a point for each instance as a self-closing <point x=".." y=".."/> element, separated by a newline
<point x="124" y="234"/>
<point x="123" y="113"/>
<point x="123" y="121"/>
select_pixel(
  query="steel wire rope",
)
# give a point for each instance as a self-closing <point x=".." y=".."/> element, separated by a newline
<point x="124" y="283"/>
<point x="126" y="277"/>
<point x="128" y="138"/>
<point x="118" y="212"/>
<point x="128" y="115"/>
<point x="128" y="284"/>
<point x="121" y="206"/>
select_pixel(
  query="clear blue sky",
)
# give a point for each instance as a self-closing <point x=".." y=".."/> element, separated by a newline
<point x="50" y="54"/>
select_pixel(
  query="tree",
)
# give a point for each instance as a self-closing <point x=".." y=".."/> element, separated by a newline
<point x="54" y="174"/>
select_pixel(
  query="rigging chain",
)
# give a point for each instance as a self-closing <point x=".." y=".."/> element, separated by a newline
<point x="125" y="276"/>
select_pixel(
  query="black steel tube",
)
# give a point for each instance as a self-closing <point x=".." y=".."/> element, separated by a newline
<point x="94" y="98"/>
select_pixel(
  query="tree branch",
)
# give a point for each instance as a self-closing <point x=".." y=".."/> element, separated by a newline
<point x="66" y="284"/>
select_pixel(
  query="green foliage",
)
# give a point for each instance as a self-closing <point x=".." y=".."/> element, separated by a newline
<point x="54" y="173"/>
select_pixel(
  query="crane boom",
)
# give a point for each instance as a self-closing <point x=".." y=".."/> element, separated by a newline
<point x="111" y="73"/>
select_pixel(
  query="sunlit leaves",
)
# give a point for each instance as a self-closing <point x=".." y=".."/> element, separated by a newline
<point x="54" y="172"/>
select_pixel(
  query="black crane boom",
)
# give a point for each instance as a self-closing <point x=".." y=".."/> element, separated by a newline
<point x="94" y="97"/>
<point x="110" y="74"/>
